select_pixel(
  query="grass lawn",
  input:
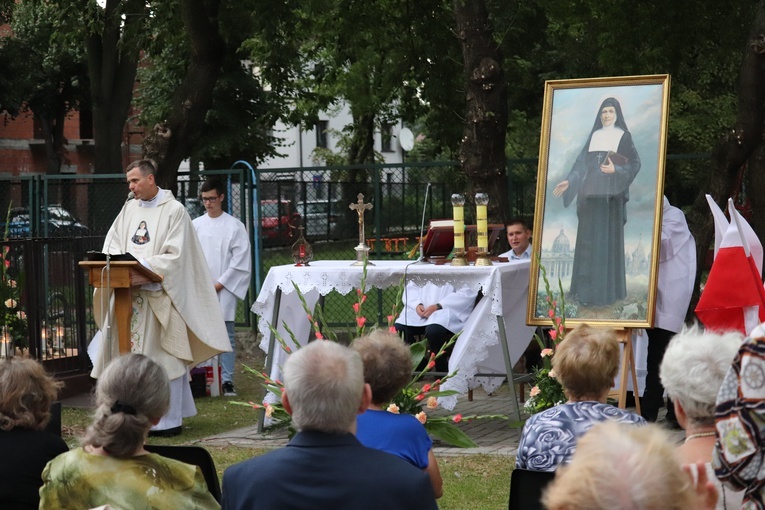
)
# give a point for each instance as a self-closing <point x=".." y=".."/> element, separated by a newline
<point x="470" y="481"/>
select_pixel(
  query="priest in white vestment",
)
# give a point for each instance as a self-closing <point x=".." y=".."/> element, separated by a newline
<point x="226" y="246"/>
<point x="177" y="323"/>
<point x="436" y="311"/>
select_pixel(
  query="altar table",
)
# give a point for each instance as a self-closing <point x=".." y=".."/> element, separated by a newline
<point x="501" y="313"/>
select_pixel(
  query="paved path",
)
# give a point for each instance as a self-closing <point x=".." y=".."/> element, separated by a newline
<point x="493" y="437"/>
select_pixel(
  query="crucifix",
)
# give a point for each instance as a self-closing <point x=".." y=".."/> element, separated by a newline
<point x="362" y="250"/>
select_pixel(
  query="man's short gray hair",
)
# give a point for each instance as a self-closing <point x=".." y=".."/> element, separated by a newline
<point x="693" y="368"/>
<point x="325" y="383"/>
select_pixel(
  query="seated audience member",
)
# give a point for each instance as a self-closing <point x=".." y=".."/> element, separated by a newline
<point x="436" y="311"/>
<point x="693" y="368"/>
<point x="519" y="239"/>
<point x="585" y="363"/>
<point x="629" y="468"/>
<point x="739" y="453"/>
<point x="387" y="369"/>
<point x="25" y="446"/>
<point x="112" y="468"/>
<point x="324" y="465"/>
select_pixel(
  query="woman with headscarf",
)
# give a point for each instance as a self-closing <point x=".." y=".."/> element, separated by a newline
<point x="600" y="181"/>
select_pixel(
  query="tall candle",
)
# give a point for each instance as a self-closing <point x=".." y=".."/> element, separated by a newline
<point x="458" y="203"/>
<point x="482" y="224"/>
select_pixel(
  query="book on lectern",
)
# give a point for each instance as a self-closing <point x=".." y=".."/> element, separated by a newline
<point x="439" y="241"/>
<point x="97" y="256"/>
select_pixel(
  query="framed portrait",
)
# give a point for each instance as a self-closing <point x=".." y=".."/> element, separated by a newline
<point x="600" y="184"/>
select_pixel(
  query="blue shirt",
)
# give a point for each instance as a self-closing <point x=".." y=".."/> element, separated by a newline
<point x="400" y="434"/>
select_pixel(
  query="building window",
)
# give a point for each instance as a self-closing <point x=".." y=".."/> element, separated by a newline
<point x="386" y="135"/>
<point x="321" y="133"/>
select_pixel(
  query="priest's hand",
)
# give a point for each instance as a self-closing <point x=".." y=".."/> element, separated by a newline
<point x="560" y="188"/>
<point x="218" y="287"/>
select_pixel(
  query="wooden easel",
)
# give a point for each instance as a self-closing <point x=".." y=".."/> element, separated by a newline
<point x="626" y="368"/>
<point x="123" y="276"/>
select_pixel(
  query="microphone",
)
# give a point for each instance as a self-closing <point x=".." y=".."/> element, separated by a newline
<point x="422" y="226"/>
<point x="130" y="197"/>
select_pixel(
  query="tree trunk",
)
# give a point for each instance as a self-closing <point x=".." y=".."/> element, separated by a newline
<point x="482" y="149"/>
<point x="112" y="66"/>
<point x="194" y="96"/>
<point x="739" y="145"/>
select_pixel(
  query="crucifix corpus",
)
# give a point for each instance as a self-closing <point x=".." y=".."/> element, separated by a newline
<point x="362" y="250"/>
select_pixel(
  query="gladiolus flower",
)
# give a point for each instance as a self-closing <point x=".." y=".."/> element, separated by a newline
<point x="431" y="365"/>
<point x="546" y="352"/>
<point x="419" y="397"/>
<point x="432" y="402"/>
<point x="254" y="405"/>
<point x="553" y="334"/>
<point x="360" y="321"/>
<point x="269" y="411"/>
<point x="287" y="349"/>
<point x="356" y="307"/>
<point x="6" y="249"/>
<point x="555" y="304"/>
<point x="551" y="313"/>
<point x="310" y="319"/>
<point x="535" y="391"/>
<point x="558" y="321"/>
<point x="7" y="263"/>
<point x="425" y="388"/>
<point x="421" y="417"/>
<point x="363" y="298"/>
<point x="319" y="336"/>
<point x="552" y="373"/>
<point x="392" y="329"/>
<point x="393" y="408"/>
<point x="390" y="318"/>
<point x="457" y="418"/>
<point x="358" y="292"/>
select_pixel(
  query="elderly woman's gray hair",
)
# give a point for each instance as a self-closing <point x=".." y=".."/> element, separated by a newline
<point x="693" y="369"/>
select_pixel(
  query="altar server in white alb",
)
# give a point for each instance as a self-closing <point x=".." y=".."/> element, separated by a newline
<point x="677" y="271"/>
<point x="178" y="322"/>
<point x="436" y="311"/>
<point x="226" y="246"/>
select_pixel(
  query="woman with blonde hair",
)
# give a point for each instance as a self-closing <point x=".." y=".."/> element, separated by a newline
<point x="387" y="369"/>
<point x="25" y="446"/>
<point x="629" y="468"/>
<point x="112" y="467"/>
<point x="585" y="363"/>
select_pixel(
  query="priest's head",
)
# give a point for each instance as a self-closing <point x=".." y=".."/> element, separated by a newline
<point x="140" y="178"/>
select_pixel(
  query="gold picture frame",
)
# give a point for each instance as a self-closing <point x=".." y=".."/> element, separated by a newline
<point x="597" y="225"/>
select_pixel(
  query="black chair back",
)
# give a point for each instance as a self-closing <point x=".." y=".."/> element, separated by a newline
<point x="526" y="488"/>
<point x="195" y="455"/>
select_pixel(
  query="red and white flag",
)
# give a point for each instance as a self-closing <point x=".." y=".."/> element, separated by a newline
<point x="733" y="297"/>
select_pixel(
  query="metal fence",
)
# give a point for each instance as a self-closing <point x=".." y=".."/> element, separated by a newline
<point x="54" y="220"/>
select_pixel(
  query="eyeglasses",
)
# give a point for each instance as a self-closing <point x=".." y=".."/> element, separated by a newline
<point x="209" y="199"/>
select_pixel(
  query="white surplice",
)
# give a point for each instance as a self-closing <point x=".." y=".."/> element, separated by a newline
<point x="456" y="305"/>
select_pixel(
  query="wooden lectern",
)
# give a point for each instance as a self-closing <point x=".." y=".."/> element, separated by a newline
<point x="122" y="276"/>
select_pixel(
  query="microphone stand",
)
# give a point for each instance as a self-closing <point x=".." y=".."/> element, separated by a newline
<point x="421" y="258"/>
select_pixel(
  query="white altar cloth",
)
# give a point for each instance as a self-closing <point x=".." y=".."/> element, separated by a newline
<point x="477" y="350"/>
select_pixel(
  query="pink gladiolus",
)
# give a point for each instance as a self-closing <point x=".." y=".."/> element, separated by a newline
<point x="358" y="292"/>
<point x="426" y="388"/>
<point x="363" y="298"/>
<point x="390" y="318"/>
<point x="553" y="334"/>
<point x="558" y="321"/>
<point x="310" y="319"/>
<point x="551" y="313"/>
<point x="360" y="321"/>
<point x="419" y="397"/>
<point x="392" y="329"/>
<point x="287" y="349"/>
<point x="421" y="417"/>
<point x="431" y="364"/>
<point x="457" y="418"/>
<point x="7" y="263"/>
<point x="6" y="249"/>
<point x="555" y="304"/>
<point x="356" y="307"/>
<point x="319" y="336"/>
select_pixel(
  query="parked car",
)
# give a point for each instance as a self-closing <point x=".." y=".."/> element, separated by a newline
<point x="278" y="221"/>
<point x="320" y="218"/>
<point x="55" y="221"/>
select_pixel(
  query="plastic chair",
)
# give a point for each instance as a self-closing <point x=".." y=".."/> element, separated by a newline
<point x="526" y="488"/>
<point x="195" y="455"/>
